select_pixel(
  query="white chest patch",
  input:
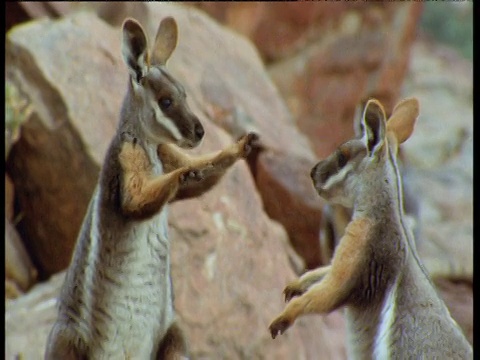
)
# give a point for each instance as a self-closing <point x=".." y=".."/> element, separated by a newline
<point x="130" y="304"/>
<point x="381" y="349"/>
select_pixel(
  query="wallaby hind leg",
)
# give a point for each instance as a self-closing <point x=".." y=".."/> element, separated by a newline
<point x="173" y="345"/>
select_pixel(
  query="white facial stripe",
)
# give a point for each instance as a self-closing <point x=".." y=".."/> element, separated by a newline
<point x="338" y="177"/>
<point x="381" y="349"/>
<point x="166" y="122"/>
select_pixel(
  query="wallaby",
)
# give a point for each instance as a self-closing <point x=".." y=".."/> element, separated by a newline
<point x="117" y="301"/>
<point x="392" y="309"/>
<point x="335" y="218"/>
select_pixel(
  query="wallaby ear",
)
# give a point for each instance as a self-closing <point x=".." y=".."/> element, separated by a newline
<point x="373" y="126"/>
<point x="357" y="120"/>
<point x="165" y="41"/>
<point x="135" y="49"/>
<point x="403" y="119"/>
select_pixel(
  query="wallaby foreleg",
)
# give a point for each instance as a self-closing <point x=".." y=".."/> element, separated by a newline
<point x="211" y="166"/>
<point x="304" y="282"/>
<point x="334" y="288"/>
<point x="143" y="195"/>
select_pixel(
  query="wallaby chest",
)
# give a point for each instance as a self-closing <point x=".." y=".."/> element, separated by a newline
<point x="124" y="269"/>
<point x="134" y="307"/>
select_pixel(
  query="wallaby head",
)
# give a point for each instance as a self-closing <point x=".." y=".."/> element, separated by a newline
<point x="160" y="106"/>
<point x="359" y="160"/>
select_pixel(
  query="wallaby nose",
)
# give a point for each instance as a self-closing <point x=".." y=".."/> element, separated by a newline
<point x="199" y="132"/>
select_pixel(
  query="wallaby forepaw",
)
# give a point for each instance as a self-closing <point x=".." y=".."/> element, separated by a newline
<point x="293" y="289"/>
<point x="279" y="326"/>
<point x="247" y="143"/>
<point x="191" y="176"/>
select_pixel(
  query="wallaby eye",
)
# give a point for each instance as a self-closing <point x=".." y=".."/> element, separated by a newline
<point x="165" y="103"/>
<point x="341" y="159"/>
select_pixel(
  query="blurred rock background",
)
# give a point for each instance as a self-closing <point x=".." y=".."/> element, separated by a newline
<point x="293" y="72"/>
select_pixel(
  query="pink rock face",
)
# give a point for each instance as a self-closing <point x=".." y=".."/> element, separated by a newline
<point x="55" y="162"/>
<point x="289" y="198"/>
<point x="277" y="29"/>
<point x="229" y="267"/>
<point x="326" y="58"/>
<point x="365" y="55"/>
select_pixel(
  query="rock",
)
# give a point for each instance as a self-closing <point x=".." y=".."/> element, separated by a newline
<point x="290" y="198"/>
<point x="115" y="12"/>
<point x="9" y="198"/>
<point x="17" y="110"/>
<point x="440" y="156"/>
<point x="350" y="62"/>
<point x="19" y="270"/>
<point x="327" y="58"/>
<point x="28" y="320"/>
<point x="46" y="9"/>
<point x="55" y="162"/>
<point x="20" y="273"/>
<point x="226" y="231"/>
<point x="278" y="30"/>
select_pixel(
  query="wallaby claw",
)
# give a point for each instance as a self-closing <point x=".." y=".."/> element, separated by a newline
<point x="191" y="176"/>
<point x="250" y="141"/>
<point x="279" y="326"/>
<point x="291" y="290"/>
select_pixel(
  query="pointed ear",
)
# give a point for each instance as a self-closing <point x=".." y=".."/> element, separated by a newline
<point x="403" y="119"/>
<point x="165" y="41"/>
<point x="357" y="120"/>
<point x="373" y="126"/>
<point x="135" y="49"/>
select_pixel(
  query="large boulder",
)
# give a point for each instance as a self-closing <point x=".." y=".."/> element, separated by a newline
<point x="326" y="58"/>
<point x="55" y="163"/>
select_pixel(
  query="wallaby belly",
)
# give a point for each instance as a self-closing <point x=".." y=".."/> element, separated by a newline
<point x="125" y="305"/>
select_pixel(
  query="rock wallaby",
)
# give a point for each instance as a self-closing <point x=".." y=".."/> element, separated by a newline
<point x="117" y="301"/>
<point x="392" y="308"/>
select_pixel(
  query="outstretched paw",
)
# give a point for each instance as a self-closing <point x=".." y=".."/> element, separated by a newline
<point x="279" y="326"/>
<point x="191" y="176"/>
<point x="293" y="289"/>
<point x="247" y="143"/>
